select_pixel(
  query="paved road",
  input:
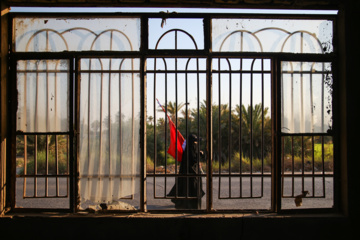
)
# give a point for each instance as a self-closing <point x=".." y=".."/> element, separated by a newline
<point x="219" y="201"/>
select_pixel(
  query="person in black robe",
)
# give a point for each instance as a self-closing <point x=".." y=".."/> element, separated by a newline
<point x="187" y="191"/>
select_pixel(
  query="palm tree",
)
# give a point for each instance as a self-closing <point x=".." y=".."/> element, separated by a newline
<point x="254" y="122"/>
<point x="172" y="109"/>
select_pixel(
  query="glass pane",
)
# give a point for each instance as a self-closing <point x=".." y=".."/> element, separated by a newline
<point x="66" y="34"/>
<point x="43" y="96"/>
<point x="272" y="35"/>
<point x="176" y="33"/>
<point x="306" y="97"/>
<point x="109" y="147"/>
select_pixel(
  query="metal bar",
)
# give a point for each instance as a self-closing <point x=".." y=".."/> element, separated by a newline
<point x="292" y="165"/>
<point x="276" y="103"/>
<point x="313" y="165"/>
<point x="251" y="126"/>
<point x="240" y="123"/>
<point x="198" y="134"/>
<point x="219" y="126"/>
<point x="35" y="165"/>
<point x="120" y="131"/>
<point x="133" y="127"/>
<point x="46" y="164"/>
<point x="166" y="121"/>
<point x="155" y="132"/>
<point x="109" y="119"/>
<point x="262" y="127"/>
<point x="143" y="118"/>
<point x="74" y="123"/>
<point x="88" y="125"/>
<point x="323" y="163"/>
<point x="209" y="122"/>
<point x="302" y="163"/>
<point x="57" y="163"/>
<point x="229" y="129"/>
<point x="282" y="165"/>
<point x="25" y="164"/>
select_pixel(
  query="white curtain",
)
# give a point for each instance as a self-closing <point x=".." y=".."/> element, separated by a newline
<point x="109" y="130"/>
<point x="306" y="97"/>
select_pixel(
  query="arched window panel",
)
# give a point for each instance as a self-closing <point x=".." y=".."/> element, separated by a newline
<point x="307" y="97"/>
<point x="43" y="95"/>
<point x="66" y="34"/>
<point x="176" y="33"/>
<point x="272" y="35"/>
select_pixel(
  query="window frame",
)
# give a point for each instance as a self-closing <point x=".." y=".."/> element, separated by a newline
<point x="143" y="54"/>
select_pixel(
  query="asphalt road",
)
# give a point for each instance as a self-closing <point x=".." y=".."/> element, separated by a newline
<point x="260" y="198"/>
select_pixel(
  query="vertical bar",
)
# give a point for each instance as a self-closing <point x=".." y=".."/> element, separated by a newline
<point x="89" y="124"/>
<point x="120" y="134"/>
<point x="312" y="103"/>
<point x="155" y="133"/>
<point x="143" y="106"/>
<point x="262" y="127"/>
<point x="67" y="167"/>
<point x="229" y="130"/>
<point x="240" y="123"/>
<point x="251" y="126"/>
<point x="109" y="120"/>
<point x="292" y="165"/>
<point x="282" y="164"/>
<point x="209" y="130"/>
<point x="166" y="121"/>
<point x="323" y="164"/>
<point x="57" y="164"/>
<point x="100" y="178"/>
<point x="132" y="128"/>
<point x="276" y="100"/>
<point x="302" y="121"/>
<point x="313" y="166"/>
<point x="302" y="162"/>
<point x="46" y="164"/>
<point x="198" y="134"/>
<point x="74" y="134"/>
<point x="35" y="166"/>
<point x="209" y="134"/>
<point x="25" y="165"/>
<point x="219" y="126"/>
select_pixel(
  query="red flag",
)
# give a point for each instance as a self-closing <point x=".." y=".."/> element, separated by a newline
<point x="180" y="142"/>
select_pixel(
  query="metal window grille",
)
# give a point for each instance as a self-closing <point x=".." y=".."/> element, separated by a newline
<point x="214" y="88"/>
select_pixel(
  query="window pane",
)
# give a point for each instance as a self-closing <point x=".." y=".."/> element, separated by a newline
<point x="176" y="34"/>
<point x="66" y="34"/>
<point x="272" y="35"/>
<point x="43" y="95"/>
<point x="306" y="97"/>
<point x="109" y="141"/>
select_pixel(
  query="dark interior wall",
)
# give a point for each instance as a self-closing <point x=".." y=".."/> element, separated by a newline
<point x="167" y="226"/>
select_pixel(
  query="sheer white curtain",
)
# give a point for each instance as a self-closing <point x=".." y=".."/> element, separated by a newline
<point x="109" y="140"/>
<point x="306" y="97"/>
